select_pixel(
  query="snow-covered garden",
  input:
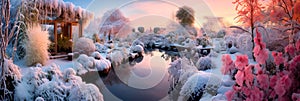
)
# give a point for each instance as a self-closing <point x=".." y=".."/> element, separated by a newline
<point x="44" y="58"/>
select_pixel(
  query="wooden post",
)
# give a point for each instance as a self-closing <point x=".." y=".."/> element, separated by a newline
<point x="55" y="38"/>
<point x="70" y="30"/>
<point x="80" y="28"/>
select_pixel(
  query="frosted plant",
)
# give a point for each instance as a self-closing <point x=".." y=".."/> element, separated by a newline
<point x="52" y="90"/>
<point x="87" y="62"/>
<point x="85" y="92"/>
<point x="189" y="43"/>
<point x="138" y="42"/>
<point x="204" y="63"/>
<point x="100" y="48"/>
<point x="39" y="99"/>
<point x="79" y="68"/>
<point x="84" y="46"/>
<point x="100" y="62"/>
<point x="37" y="46"/>
<point x="198" y="84"/>
<point x="30" y="82"/>
<point x="137" y="49"/>
<point x="118" y="55"/>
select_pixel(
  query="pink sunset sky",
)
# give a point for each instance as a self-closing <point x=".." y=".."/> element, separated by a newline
<point x="152" y="13"/>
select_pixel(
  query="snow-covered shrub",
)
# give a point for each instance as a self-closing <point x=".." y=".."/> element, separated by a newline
<point x="244" y="43"/>
<point x="180" y="70"/>
<point x="118" y="55"/>
<point x="25" y="90"/>
<point x="141" y="29"/>
<point x="189" y="43"/>
<point x="137" y="49"/>
<point x="85" y="92"/>
<point x="79" y="68"/>
<point x="198" y="84"/>
<point x="100" y="62"/>
<point x="230" y="39"/>
<point x="50" y="83"/>
<point x="87" y="62"/>
<point x="137" y="42"/>
<point x="9" y="79"/>
<point x="221" y="33"/>
<point x="205" y="63"/>
<point x="156" y="30"/>
<point x="52" y="90"/>
<point x="100" y="48"/>
<point x="37" y="46"/>
<point x="84" y="46"/>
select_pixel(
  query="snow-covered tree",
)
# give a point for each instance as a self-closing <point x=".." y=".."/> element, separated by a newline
<point x="9" y="19"/>
<point x="185" y="15"/>
<point x="249" y="13"/>
<point x="285" y="13"/>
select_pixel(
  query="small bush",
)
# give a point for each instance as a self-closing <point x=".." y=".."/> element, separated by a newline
<point x="84" y="46"/>
<point x="204" y="63"/>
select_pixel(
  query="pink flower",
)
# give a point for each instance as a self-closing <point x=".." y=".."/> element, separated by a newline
<point x="260" y="52"/>
<point x="273" y="80"/>
<point x="295" y="62"/>
<point x="228" y="64"/>
<point x="258" y="69"/>
<point x="278" y="58"/>
<point x="261" y="55"/>
<point x="282" y="84"/>
<point x="279" y="90"/>
<point x="230" y="94"/>
<point x="240" y="77"/>
<point x="246" y="91"/>
<point x="296" y="96"/>
<point x="241" y="61"/>
<point x="263" y="80"/>
<point x="255" y="95"/>
<point x="290" y="49"/>
<point x="248" y="75"/>
<point x="284" y="81"/>
<point x="298" y="42"/>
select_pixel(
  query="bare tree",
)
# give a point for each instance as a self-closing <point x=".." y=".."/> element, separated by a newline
<point x="9" y="27"/>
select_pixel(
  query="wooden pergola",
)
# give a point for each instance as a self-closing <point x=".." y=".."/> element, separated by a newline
<point x="66" y="27"/>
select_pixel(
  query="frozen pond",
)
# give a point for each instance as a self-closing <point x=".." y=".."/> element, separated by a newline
<point x="144" y="78"/>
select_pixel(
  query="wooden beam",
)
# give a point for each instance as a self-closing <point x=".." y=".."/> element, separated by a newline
<point x="51" y="22"/>
<point x="70" y="30"/>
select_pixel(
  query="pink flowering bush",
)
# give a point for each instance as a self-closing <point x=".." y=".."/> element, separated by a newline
<point x="241" y="61"/>
<point x="228" y="64"/>
<point x="259" y="51"/>
<point x="257" y="82"/>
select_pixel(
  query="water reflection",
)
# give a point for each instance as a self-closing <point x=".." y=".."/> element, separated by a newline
<point x="143" y="78"/>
